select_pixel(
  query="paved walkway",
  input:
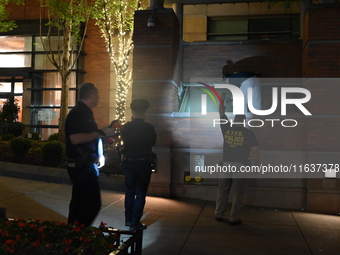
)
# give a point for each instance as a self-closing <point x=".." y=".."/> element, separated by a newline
<point x="186" y="227"/>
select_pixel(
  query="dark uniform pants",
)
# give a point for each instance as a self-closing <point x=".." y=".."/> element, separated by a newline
<point x="137" y="179"/>
<point x="86" y="200"/>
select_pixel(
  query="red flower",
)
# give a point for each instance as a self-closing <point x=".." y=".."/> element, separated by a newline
<point x="36" y="243"/>
<point x="68" y="241"/>
<point x="8" y="242"/>
<point x="102" y="224"/>
<point x="17" y="237"/>
<point x="77" y="229"/>
<point x="21" y="224"/>
<point x="10" y="250"/>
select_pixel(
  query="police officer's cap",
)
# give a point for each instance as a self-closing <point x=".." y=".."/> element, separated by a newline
<point x="139" y="105"/>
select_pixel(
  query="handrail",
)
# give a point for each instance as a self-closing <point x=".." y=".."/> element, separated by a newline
<point x="133" y="246"/>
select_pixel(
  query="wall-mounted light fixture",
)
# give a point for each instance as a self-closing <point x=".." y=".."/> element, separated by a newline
<point x="151" y="21"/>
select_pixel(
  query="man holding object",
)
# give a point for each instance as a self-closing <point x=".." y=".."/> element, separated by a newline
<point x="83" y="148"/>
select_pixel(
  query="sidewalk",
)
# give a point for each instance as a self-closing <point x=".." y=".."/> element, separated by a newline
<point x="183" y="226"/>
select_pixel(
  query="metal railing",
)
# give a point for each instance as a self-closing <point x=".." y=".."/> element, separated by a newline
<point x="132" y="246"/>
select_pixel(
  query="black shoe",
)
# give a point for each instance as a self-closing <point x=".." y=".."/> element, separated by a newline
<point x="219" y="219"/>
<point x="138" y="226"/>
<point x="128" y="223"/>
<point x="234" y="223"/>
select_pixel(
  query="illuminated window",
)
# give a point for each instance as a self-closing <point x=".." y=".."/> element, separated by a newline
<point x="15" y="51"/>
<point x="25" y="56"/>
<point x="253" y="28"/>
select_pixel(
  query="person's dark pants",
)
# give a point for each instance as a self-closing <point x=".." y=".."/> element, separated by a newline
<point x="86" y="200"/>
<point x="137" y="179"/>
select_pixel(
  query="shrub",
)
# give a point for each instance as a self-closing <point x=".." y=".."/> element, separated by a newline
<point x="34" y="154"/>
<point x="7" y="137"/>
<point x="10" y="110"/>
<point x="34" y="135"/>
<point x="4" y="151"/>
<point x="53" y="137"/>
<point x="52" y="153"/>
<point x="20" y="146"/>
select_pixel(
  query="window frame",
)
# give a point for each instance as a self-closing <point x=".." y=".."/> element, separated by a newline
<point x="266" y="35"/>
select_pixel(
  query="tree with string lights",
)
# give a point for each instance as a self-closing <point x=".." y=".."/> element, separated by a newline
<point x="115" y="21"/>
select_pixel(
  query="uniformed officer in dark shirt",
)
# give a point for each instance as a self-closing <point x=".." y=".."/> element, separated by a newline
<point x="83" y="153"/>
<point x="138" y="137"/>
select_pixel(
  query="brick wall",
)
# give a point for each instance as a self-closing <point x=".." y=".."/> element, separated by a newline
<point x="97" y="68"/>
<point x="267" y="59"/>
<point x="320" y="46"/>
<point x="206" y="60"/>
<point x="157" y="69"/>
<point x="321" y="49"/>
<point x="29" y="11"/>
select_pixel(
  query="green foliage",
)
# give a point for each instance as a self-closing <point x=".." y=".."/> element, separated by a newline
<point x="9" y="117"/>
<point x="7" y="137"/>
<point x="52" y="153"/>
<point x="68" y="16"/>
<point x="19" y="147"/>
<point x="33" y="135"/>
<point x="14" y="128"/>
<point x="115" y="20"/>
<point x="50" y="237"/>
<point x="53" y="137"/>
<point x="69" y="19"/>
<point x="10" y="110"/>
<point x="4" y="151"/>
<point x="34" y="154"/>
<point x="7" y="25"/>
<point x="119" y="14"/>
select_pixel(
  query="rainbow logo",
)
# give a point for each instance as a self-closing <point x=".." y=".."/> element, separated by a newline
<point x="210" y="90"/>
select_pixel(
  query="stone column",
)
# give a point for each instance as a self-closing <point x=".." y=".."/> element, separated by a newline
<point x="321" y="47"/>
<point x="156" y="75"/>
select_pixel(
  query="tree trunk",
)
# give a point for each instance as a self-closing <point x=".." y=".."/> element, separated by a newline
<point x="63" y="108"/>
<point x="123" y="82"/>
<point x="65" y="73"/>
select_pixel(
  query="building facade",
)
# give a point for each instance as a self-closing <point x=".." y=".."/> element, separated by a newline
<point x="193" y="41"/>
